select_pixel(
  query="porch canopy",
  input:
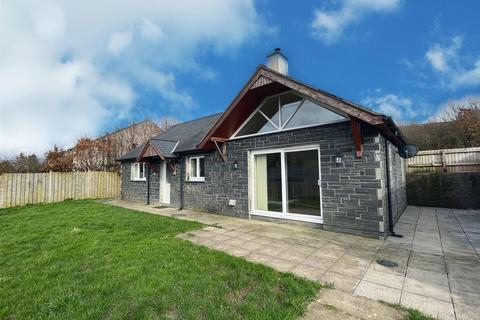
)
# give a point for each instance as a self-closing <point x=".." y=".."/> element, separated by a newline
<point x="157" y="148"/>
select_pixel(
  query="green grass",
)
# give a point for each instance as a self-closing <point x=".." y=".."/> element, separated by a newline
<point x="87" y="260"/>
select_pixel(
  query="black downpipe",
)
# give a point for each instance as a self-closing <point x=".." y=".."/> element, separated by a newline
<point x="147" y="169"/>
<point x="182" y="180"/>
<point x="389" y="192"/>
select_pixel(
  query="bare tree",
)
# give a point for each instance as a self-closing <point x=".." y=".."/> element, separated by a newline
<point x="27" y="163"/>
<point x="93" y="155"/>
<point x="167" y="122"/>
<point x="466" y="119"/>
<point x="7" y="166"/>
<point x="127" y="139"/>
<point x="459" y="128"/>
<point x="58" y="160"/>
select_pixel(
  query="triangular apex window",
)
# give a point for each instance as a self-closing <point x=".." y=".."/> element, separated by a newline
<point x="286" y="111"/>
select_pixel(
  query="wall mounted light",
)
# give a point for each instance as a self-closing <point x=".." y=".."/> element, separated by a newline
<point x="338" y="159"/>
<point x="235" y="165"/>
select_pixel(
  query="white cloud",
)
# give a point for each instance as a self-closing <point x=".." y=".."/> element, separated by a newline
<point x="330" y="25"/>
<point x="151" y="31"/>
<point x="119" y="41"/>
<point x="451" y="67"/>
<point x="398" y="107"/>
<point x="437" y="59"/>
<point x="443" y="111"/>
<point x="440" y="57"/>
<point x="468" y="77"/>
<point x="69" y="67"/>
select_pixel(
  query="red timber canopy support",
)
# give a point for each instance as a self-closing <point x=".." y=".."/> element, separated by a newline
<point x="221" y="145"/>
<point x="172" y="165"/>
<point x="357" y="137"/>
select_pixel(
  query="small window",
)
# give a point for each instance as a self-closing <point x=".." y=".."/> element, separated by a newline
<point x="137" y="171"/>
<point x="196" y="168"/>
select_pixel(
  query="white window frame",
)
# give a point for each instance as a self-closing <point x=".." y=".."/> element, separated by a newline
<point x="285" y="214"/>
<point x="282" y="127"/>
<point x="135" y="171"/>
<point x="198" y="178"/>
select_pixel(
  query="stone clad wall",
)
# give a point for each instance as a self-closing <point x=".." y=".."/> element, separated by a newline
<point x="458" y="190"/>
<point x="352" y="193"/>
<point x="398" y="183"/>
<point x="137" y="190"/>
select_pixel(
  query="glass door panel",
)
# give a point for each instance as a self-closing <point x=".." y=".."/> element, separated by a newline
<point x="268" y="182"/>
<point x="302" y="175"/>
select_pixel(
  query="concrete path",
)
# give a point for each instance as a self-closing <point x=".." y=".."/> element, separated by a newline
<point x="437" y="272"/>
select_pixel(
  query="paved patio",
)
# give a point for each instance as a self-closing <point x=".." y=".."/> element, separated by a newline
<point x="438" y="269"/>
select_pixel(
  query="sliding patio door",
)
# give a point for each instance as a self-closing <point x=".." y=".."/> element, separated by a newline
<point x="287" y="184"/>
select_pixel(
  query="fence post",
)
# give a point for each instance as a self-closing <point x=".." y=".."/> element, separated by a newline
<point x="50" y="186"/>
<point x="444" y="163"/>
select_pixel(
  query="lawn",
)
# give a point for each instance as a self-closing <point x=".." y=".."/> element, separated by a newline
<point x="87" y="260"/>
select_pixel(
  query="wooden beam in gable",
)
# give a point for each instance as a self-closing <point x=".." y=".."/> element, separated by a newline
<point x="261" y="81"/>
<point x="221" y="145"/>
<point x="149" y="150"/>
<point x="357" y="137"/>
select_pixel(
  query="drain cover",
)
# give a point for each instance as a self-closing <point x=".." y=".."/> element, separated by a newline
<point x="387" y="263"/>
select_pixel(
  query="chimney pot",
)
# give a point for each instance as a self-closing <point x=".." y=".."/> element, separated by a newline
<point x="277" y="61"/>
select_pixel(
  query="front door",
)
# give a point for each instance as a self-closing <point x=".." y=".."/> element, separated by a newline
<point x="164" y="184"/>
<point x="286" y="183"/>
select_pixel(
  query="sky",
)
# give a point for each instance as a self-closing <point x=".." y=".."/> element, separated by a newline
<point x="71" y="68"/>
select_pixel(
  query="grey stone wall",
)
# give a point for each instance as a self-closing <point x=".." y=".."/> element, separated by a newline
<point x="459" y="190"/>
<point x="137" y="190"/>
<point x="350" y="192"/>
<point x="353" y="193"/>
<point x="398" y="183"/>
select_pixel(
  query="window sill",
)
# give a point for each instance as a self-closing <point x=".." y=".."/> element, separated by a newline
<point x="138" y="180"/>
<point x="196" y="180"/>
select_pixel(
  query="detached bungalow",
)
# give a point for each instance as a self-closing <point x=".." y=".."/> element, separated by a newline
<point x="281" y="150"/>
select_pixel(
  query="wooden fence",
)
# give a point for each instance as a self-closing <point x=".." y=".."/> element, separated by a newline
<point x="17" y="189"/>
<point x="447" y="160"/>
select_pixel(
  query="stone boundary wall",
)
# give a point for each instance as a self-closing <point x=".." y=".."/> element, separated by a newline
<point x="444" y="190"/>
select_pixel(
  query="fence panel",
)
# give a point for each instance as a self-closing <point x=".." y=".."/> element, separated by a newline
<point x="446" y="160"/>
<point x="18" y="189"/>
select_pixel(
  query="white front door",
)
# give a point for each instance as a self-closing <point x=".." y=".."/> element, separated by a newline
<point x="286" y="183"/>
<point x="164" y="184"/>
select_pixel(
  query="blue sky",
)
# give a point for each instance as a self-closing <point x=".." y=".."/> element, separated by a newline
<point x="72" y="69"/>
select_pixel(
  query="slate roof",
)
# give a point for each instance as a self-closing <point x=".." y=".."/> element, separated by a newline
<point x="187" y="134"/>
<point x="165" y="146"/>
<point x="132" y="154"/>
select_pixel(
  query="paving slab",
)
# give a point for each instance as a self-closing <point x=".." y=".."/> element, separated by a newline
<point x="378" y="292"/>
<point x="383" y="278"/>
<point x="338" y="304"/>
<point x="431" y="306"/>
<point x="259" y="258"/>
<point x="429" y="262"/>
<point x="437" y="271"/>
<point x="281" y="264"/>
<point x="309" y="272"/>
<point x="340" y="281"/>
